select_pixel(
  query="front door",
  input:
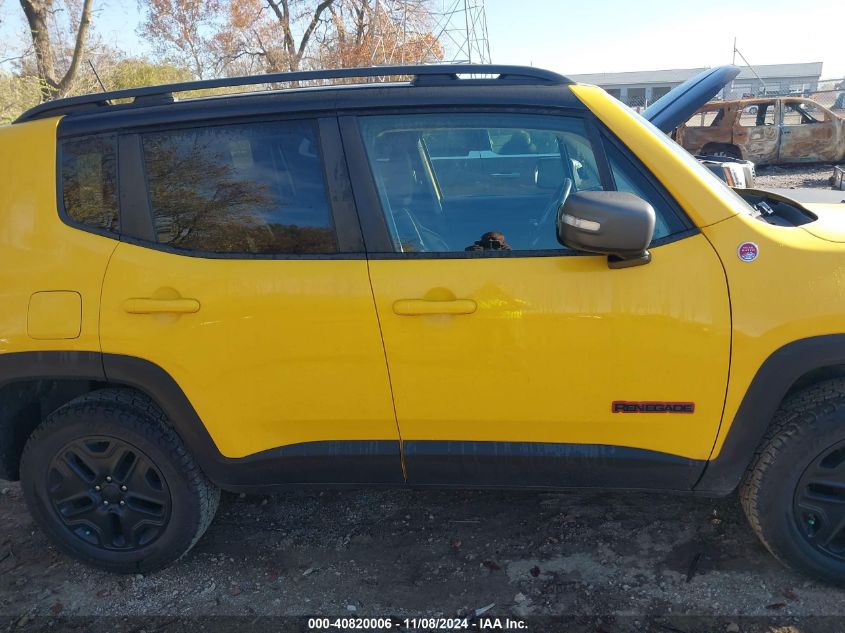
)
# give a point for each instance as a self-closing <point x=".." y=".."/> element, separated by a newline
<point x="809" y="133"/>
<point x="515" y="361"/>
<point x="252" y="293"/>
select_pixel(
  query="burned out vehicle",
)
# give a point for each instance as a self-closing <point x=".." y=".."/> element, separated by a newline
<point x="767" y="131"/>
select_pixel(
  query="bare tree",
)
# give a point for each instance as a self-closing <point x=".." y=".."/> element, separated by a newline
<point x="224" y="37"/>
<point x="368" y="32"/>
<point x="37" y="14"/>
<point x="183" y="32"/>
<point x="294" y="52"/>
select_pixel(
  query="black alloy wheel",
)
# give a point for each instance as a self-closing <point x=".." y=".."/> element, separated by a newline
<point x="819" y="504"/>
<point x="108" y="493"/>
<point x="110" y="482"/>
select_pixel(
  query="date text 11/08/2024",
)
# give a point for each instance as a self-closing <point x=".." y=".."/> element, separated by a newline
<point x="419" y="624"/>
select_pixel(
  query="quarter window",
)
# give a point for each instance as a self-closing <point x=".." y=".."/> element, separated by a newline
<point x="89" y="181"/>
<point x="256" y="188"/>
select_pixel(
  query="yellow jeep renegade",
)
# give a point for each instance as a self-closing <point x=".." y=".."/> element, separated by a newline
<point x="503" y="280"/>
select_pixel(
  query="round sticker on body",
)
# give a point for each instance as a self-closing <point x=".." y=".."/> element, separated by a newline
<point x="748" y="251"/>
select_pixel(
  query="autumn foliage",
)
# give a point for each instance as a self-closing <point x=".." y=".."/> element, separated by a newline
<point x="204" y="39"/>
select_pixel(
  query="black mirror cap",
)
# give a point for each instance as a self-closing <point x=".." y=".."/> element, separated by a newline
<point x="614" y="223"/>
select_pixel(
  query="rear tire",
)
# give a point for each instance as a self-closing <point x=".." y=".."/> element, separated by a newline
<point x="112" y="484"/>
<point x="794" y="491"/>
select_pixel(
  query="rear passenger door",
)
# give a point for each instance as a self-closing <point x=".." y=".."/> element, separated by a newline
<point x="757" y="132"/>
<point x="241" y="274"/>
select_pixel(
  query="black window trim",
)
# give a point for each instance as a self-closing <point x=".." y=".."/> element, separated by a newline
<point x="379" y="244"/>
<point x="63" y="214"/>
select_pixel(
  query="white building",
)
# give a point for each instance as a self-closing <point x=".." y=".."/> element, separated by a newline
<point x="640" y="88"/>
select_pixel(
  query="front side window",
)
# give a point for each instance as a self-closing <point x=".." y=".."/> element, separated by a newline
<point x="243" y="189"/>
<point x="89" y="181"/>
<point x="476" y="182"/>
<point x="630" y="178"/>
<point x="802" y="113"/>
<point x="758" y="114"/>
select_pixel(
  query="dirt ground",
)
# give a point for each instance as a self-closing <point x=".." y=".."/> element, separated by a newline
<point x="605" y="562"/>
<point x="794" y="176"/>
<point x="620" y="561"/>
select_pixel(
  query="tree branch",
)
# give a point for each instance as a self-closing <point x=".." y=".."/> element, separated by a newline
<point x="315" y="19"/>
<point x="79" y="48"/>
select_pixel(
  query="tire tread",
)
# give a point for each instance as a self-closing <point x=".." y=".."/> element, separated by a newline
<point x="143" y="415"/>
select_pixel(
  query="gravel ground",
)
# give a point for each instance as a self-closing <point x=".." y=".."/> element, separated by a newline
<point x="621" y="561"/>
<point x="795" y="176"/>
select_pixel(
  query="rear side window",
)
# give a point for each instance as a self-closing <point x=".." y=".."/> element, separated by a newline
<point x="89" y="181"/>
<point x="758" y="115"/>
<point x="706" y="118"/>
<point x="254" y="188"/>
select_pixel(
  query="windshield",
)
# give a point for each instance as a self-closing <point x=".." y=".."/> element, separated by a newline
<point x="728" y="195"/>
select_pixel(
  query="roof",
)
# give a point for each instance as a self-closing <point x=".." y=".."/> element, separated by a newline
<point x="679" y="75"/>
<point x="441" y="75"/>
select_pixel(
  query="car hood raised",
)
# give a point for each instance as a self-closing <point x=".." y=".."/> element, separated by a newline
<point x="680" y="103"/>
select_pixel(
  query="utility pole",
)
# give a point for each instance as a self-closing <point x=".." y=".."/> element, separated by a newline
<point x="459" y="28"/>
<point x="750" y="67"/>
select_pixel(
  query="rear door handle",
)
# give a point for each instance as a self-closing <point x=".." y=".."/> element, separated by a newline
<point x="161" y="306"/>
<point x="421" y="307"/>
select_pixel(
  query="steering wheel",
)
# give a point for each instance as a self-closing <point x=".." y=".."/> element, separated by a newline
<point x="551" y="210"/>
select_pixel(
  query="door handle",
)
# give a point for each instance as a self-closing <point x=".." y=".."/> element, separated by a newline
<point x="161" y="306"/>
<point x="420" y="307"/>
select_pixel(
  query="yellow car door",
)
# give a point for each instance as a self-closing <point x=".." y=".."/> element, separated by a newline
<point x="247" y="285"/>
<point x="513" y="360"/>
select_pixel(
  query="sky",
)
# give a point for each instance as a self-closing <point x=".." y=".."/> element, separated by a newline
<point x="587" y="36"/>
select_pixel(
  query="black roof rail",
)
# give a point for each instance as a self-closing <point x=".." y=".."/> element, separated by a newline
<point x="431" y="74"/>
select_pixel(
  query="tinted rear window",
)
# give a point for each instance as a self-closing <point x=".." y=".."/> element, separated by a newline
<point x="254" y="188"/>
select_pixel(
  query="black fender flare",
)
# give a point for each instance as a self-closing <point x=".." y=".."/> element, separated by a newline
<point x="770" y="385"/>
<point x="321" y="462"/>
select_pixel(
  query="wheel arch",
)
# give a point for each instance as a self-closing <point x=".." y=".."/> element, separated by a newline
<point x="789" y="369"/>
<point x="25" y="376"/>
<point x="33" y="384"/>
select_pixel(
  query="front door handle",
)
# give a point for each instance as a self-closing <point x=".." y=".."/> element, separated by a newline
<point x="161" y="306"/>
<point x="420" y="307"/>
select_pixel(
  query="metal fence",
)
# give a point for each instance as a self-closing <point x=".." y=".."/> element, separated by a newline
<point x="829" y="93"/>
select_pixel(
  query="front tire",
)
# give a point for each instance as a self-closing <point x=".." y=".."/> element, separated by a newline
<point x="112" y="484"/>
<point x="794" y="492"/>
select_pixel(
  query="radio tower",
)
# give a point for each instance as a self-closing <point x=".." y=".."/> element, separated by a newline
<point x="459" y="28"/>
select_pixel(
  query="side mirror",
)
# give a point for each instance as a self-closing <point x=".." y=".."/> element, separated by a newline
<point x="613" y="223"/>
